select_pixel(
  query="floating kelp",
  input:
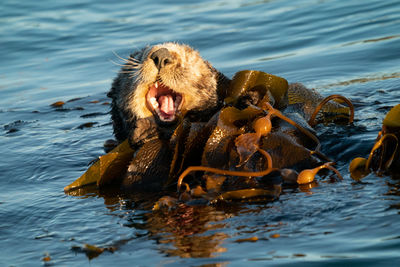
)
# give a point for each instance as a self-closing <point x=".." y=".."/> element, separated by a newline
<point x="46" y="258"/>
<point x="380" y="159"/>
<point x="308" y="175"/>
<point x="267" y="87"/>
<point x="326" y="100"/>
<point x="248" y="194"/>
<point x="106" y="169"/>
<point x="92" y="251"/>
<point x="385" y="155"/>
<point x="358" y="168"/>
<point x="57" y="104"/>
<point x="251" y="147"/>
<point x="392" y="119"/>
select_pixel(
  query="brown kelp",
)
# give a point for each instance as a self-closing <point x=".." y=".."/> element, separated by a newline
<point x="384" y="156"/>
<point x="106" y="169"/>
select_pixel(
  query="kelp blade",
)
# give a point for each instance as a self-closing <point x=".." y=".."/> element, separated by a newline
<point x="358" y="168"/>
<point x="249" y="194"/>
<point x="107" y="168"/>
<point x="392" y="118"/>
<point x="246" y="80"/>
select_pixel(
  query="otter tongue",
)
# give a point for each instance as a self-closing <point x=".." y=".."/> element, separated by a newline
<point x="166" y="104"/>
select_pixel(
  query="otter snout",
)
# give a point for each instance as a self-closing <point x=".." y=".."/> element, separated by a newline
<point x="161" y="57"/>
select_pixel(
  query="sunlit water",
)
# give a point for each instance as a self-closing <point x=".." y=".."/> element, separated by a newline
<point x="62" y="50"/>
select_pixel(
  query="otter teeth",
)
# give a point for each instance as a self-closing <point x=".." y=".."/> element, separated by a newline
<point x="153" y="102"/>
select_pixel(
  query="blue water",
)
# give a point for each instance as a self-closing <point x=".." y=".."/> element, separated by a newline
<point x="62" y="50"/>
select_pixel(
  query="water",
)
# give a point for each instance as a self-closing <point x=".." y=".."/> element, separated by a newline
<point x="59" y="51"/>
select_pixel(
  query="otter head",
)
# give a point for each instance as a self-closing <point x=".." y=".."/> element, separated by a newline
<point x="171" y="78"/>
<point x="160" y="83"/>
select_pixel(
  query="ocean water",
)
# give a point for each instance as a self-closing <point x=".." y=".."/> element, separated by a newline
<point x="64" y="51"/>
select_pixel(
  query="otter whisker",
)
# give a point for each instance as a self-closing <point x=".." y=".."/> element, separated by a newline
<point x="118" y="56"/>
<point x="131" y="67"/>
<point x="128" y="71"/>
<point x="134" y="59"/>
<point x="115" y="63"/>
<point x="126" y="65"/>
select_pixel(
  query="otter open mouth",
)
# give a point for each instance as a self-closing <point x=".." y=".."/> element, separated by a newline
<point x="164" y="102"/>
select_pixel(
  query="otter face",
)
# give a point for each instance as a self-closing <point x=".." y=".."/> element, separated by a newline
<point x="168" y="79"/>
<point x="160" y="82"/>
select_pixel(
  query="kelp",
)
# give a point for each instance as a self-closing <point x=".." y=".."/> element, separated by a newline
<point x="231" y="122"/>
<point x="247" y="194"/>
<point x="273" y="89"/>
<point x="392" y="119"/>
<point x="310" y="103"/>
<point x="384" y="156"/>
<point x="308" y="175"/>
<point x="222" y="172"/>
<point x="231" y="146"/>
<point x="358" y="168"/>
<point x="312" y="121"/>
<point x="380" y="144"/>
<point x="92" y="251"/>
<point x="235" y="122"/>
<point x="361" y="167"/>
<point x="277" y="113"/>
<point x="106" y="169"/>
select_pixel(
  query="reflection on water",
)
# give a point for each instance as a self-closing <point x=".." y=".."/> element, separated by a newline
<point x="187" y="231"/>
<point x="184" y="231"/>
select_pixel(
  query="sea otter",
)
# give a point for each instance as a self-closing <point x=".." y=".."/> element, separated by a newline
<point x="155" y="88"/>
<point x="159" y="84"/>
<point x="166" y="86"/>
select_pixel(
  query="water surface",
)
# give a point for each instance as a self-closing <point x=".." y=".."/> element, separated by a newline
<point x="62" y="51"/>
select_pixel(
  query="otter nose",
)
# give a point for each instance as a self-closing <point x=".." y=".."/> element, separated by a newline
<point x="161" y="57"/>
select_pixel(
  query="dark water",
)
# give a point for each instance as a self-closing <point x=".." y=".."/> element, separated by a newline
<point x="61" y="50"/>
